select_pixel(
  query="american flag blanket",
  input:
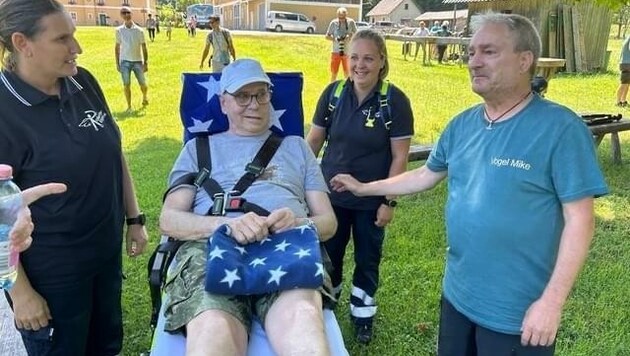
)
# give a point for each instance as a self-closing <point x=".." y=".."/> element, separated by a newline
<point x="286" y="260"/>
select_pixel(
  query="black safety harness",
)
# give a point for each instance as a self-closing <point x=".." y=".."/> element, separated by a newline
<point x="224" y="202"/>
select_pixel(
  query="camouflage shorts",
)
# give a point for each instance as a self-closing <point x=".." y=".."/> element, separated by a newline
<point x="185" y="295"/>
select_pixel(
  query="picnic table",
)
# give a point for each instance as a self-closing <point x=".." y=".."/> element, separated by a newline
<point x="421" y="152"/>
<point x="547" y="67"/>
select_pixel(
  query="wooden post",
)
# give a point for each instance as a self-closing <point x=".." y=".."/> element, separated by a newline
<point x="552" y="24"/>
<point x="616" y="147"/>
<point x="578" y="41"/>
<point x="569" y="51"/>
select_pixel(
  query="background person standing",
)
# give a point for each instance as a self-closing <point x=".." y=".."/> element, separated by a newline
<point x="222" y="46"/>
<point x="624" y="76"/>
<point x="151" y="25"/>
<point x="340" y="31"/>
<point x="169" y="28"/>
<point x="131" y="56"/>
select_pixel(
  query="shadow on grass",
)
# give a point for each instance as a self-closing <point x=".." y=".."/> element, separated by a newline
<point x="129" y="114"/>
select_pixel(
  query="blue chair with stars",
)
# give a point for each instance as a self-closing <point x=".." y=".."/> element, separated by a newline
<point x="201" y="113"/>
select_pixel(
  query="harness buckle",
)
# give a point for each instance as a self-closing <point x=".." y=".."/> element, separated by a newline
<point x="227" y="202"/>
<point x="254" y="169"/>
<point x="201" y="177"/>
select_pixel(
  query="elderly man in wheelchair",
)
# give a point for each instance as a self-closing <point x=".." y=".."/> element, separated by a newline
<point x="291" y="190"/>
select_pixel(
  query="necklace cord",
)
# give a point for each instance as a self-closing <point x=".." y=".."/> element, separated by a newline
<point x="492" y="121"/>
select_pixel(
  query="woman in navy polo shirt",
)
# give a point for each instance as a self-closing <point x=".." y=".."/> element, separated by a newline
<point x="370" y="142"/>
<point x="56" y="126"/>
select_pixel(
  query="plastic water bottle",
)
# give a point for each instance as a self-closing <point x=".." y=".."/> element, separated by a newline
<point x="10" y="205"/>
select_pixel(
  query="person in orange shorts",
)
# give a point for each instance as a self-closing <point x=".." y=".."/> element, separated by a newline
<point x="340" y="30"/>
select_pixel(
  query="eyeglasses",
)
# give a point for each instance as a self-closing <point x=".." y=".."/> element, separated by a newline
<point x="125" y="12"/>
<point x="244" y="99"/>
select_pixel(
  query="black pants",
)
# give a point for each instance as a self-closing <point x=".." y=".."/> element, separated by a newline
<point x="459" y="336"/>
<point x="368" y="246"/>
<point x="87" y="316"/>
<point x="441" y="51"/>
<point x="151" y="33"/>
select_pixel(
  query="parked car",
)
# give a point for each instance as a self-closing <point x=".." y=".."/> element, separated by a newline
<point x="289" y="21"/>
<point x="362" y="25"/>
<point x="385" y="26"/>
<point x="408" y="31"/>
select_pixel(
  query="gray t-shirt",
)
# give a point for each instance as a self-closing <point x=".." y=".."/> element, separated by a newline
<point x="337" y="29"/>
<point x="220" y="45"/>
<point x="293" y="170"/>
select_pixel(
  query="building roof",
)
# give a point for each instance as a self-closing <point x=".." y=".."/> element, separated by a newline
<point x="442" y="15"/>
<point x="385" y="7"/>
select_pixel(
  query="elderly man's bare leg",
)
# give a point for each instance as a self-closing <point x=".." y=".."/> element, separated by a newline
<point x="295" y="324"/>
<point x="215" y="332"/>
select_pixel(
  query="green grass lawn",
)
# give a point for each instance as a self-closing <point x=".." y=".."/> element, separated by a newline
<point x="596" y="317"/>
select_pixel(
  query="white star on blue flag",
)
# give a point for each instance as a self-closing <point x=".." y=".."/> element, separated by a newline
<point x="286" y="260"/>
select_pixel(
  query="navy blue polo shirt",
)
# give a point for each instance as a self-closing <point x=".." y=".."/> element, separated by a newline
<point x="358" y="143"/>
<point x="72" y="139"/>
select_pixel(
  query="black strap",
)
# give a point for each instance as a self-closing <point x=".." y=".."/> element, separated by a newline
<point x="203" y="160"/>
<point x="257" y="166"/>
<point x="255" y="208"/>
<point x="253" y="170"/>
<point x="203" y="152"/>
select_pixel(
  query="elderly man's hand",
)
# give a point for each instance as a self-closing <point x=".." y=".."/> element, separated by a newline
<point x="20" y="235"/>
<point x="248" y="228"/>
<point x="281" y="220"/>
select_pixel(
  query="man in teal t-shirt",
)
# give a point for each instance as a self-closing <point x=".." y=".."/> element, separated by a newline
<point x="522" y="176"/>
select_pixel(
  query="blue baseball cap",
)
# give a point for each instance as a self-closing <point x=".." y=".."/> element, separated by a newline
<point x="241" y="72"/>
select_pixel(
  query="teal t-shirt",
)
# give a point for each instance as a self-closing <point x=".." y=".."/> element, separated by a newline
<point x="504" y="210"/>
<point x="625" y="52"/>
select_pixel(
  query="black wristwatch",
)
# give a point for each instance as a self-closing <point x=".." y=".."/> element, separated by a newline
<point x="391" y="203"/>
<point x="138" y="220"/>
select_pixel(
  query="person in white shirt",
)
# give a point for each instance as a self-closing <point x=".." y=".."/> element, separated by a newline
<point x="131" y="55"/>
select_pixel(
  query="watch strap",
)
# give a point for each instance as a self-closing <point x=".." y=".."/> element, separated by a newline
<point x="138" y="220"/>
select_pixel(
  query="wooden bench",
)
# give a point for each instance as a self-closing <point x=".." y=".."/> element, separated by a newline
<point x="599" y="131"/>
<point x="421" y="152"/>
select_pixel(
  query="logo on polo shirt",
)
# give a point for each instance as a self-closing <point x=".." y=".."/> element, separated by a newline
<point x="93" y="119"/>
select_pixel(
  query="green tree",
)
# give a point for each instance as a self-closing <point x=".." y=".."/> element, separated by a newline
<point x="167" y="12"/>
<point x="613" y="4"/>
<point x="622" y="19"/>
<point x="183" y="4"/>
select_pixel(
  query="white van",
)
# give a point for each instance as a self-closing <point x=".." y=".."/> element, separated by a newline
<point x="289" y="21"/>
